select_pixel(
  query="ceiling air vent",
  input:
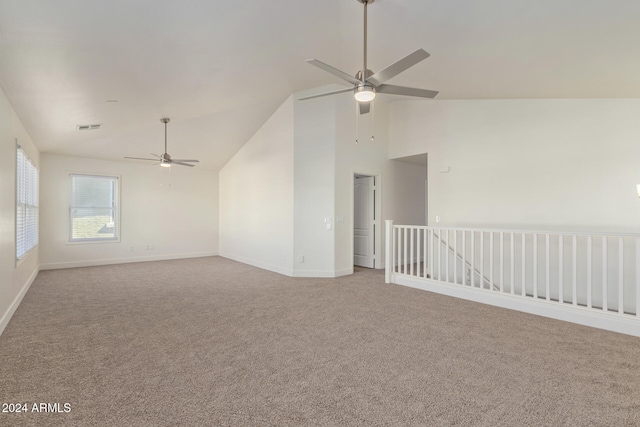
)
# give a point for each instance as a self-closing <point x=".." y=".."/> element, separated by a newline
<point x="89" y="127"/>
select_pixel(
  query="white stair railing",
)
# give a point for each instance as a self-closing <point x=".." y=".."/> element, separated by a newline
<point x="594" y="273"/>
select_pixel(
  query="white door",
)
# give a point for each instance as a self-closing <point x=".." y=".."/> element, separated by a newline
<point x="364" y="222"/>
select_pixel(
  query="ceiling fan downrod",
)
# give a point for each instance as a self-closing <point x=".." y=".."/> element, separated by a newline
<point x="364" y="56"/>
<point x="364" y="92"/>
<point x="366" y="83"/>
<point x="165" y="121"/>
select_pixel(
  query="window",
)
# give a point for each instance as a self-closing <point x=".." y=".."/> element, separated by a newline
<point x="26" y="204"/>
<point x="93" y="208"/>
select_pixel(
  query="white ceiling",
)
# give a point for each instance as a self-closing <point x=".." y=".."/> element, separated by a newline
<point x="220" y="68"/>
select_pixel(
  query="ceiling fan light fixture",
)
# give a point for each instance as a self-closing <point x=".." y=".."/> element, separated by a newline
<point x="365" y="93"/>
<point x="165" y="160"/>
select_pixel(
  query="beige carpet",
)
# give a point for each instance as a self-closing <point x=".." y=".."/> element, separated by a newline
<point x="210" y="341"/>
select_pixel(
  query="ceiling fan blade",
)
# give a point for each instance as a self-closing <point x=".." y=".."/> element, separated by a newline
<point x="139" y="158"/>
<point x="398" y="67"/>
<point x="173" y="162"/>
<point x="327" y="93"/>
<point x="407" y="91"/>
<point x="184" y="160"/>
<point x="329" y="69"/>
<point x="364" y="107"/>
<point x="153" y="154"/>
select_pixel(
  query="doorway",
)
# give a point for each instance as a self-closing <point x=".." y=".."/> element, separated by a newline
<point x="365" y="221"/>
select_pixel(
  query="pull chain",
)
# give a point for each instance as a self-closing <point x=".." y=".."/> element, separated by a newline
<point x="373" y="123"/>
<point x="165" y="177"/>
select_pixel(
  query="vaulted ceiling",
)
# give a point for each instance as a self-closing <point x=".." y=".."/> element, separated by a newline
<point x="219" y="68"/>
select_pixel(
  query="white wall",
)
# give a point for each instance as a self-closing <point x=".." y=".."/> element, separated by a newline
<point x="326" y="159"/>
<point x="535" y="164"/>
<point x="296" y="172"/>
<point x="256" y="197"/>
<point x="400" y="185"/>
<point x="406" y="203"/>
<point x="175" y="210"/>
<point x="314" y="182"/>
<point x="14" y="279"/>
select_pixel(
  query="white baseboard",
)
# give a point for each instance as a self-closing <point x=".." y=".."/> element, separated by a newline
<point x="260" y="264"/>
<point x="96" y="262"/>
<point x="287" y="271"/>
<point x="6" y="317"/>
<point x="323" y="273"/>
<point x="620" y="323"/>
<point x="343" y="272"/>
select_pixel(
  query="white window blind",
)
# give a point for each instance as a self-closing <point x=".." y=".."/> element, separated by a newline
<point x="93" y="208"/>
<point x="27" y="183"/>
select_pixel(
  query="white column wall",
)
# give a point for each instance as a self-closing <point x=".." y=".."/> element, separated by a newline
<point x="294" y="178"/>
<point x="14" y="279"/>
<point x="256" y="197"/>
<point x="314" y="181"/>
<point x="400" y="185"/>
<point x="563" y="164"/>
<point x="164" y="213"/>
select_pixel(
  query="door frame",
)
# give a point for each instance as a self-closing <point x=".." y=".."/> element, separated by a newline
<point x="377" y="210"/>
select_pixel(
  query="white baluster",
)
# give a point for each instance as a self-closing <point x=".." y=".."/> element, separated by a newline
<point x="589" y="271"/>
<point x="389" y="240"/>
<point x="412" y="260"/>
<point x="424" y="261"/>
<point x="481" y="259"/>
<point x="560" y="268"/>
<point x="548" y="275"/>
<point x="491" y="260"/>
<point x="605" y="289"/>
<point x="440" y="254"/>
<point x="637" y="276"/>
<point x="472" y="275"/>
<point x="405" y="252"/>
<point x="400" y="262"/>
<point x="432" y="269"/>
<point x="455" y="256"/>
<point x="418" y="252"/>
<point x="513" y="265"/>
<point x="574" y="290"/>
<point x="620" y="275"/>
<point x="446" y="253"/>
<point x="523" y="291"/>
<point x="535" y="265"/>
<point x="501" y="261"/>
<point x="463" y="270"/>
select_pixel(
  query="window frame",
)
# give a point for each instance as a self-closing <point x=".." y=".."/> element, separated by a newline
<point x="115" y="203"/>
<point x="31" y="167"/>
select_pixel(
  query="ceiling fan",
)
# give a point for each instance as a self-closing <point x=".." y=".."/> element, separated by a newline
<point x="366" y="83"/>
<point x="165" y="160"/>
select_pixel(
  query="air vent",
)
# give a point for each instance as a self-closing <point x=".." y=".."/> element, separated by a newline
<point x="89" y="127"/>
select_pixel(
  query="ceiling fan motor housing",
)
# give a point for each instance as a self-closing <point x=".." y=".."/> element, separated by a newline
<point x="366" y="83"/>
<point x="367" y="74"/>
